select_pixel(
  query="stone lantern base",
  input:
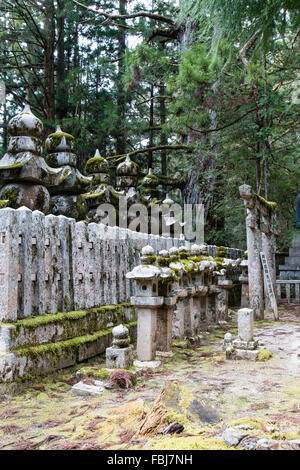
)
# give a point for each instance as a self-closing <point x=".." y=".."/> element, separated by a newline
<point x="119" y="358"/>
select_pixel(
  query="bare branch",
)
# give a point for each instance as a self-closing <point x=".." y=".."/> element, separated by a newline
<point x="145" y="14"/>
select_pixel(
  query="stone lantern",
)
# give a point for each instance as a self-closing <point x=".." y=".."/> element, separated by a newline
<point x="120" y="354"/>
<point x="98" y="168"/>
<point x="23" y="171"/>
<point x="66" y="197"/>
<point x="150" y="183"/>
<point x="146" y="301"/>
<point x="127" y="176"/>
<point x="101" y="191"/>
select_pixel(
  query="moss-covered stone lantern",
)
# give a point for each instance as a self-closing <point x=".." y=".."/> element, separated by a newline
<point x="23" y="171"/>
<point x="66" y="197"/>
<point x="146" y="302"/>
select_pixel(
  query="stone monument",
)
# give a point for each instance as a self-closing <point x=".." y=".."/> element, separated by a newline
<point x="120" y="354"/>
<point x="244" y="346"/>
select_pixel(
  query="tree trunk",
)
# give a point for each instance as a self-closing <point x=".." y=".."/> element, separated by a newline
<point x="49" y="62"/>
<point x="62" y="97"/>
<point x="163" y="137"/>
<point x="121" y="95"/>
<point x="151" y="124"/>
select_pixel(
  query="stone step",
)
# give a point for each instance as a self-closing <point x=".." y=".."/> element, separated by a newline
<point x="22" y="364"/>
<point x="284" y="267"/>
<point x="62" y="326"/>
<point x="294" y="252"/>
<point x="292" y="261"/>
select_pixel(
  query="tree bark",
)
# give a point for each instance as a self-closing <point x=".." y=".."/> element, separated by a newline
<point x="62" y="98"/>
<point x="163" y="137"/>
<point x="49" y="62"/>
<point x="121" y="95"/>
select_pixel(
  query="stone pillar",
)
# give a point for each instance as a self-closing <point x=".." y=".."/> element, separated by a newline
<point x="203" y="312"/>
<point x="211" y="309"/>
<point x="165" y="312"/>
<point x="244" y="346"/>
<point x="146" y="332"/>
<point x="255" y="273"/>
<point x="222" y="298"/>
<point x="245" y="284"/>
<point x="268" y="248"/>
<point x="188" y="304"/>
<point x="245" y="324"/>
<point x="197" y="312"/>
<point x="222" y="305"/>
<point x="178" y="313"/>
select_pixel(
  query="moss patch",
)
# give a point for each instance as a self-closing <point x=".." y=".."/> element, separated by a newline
<point x="263" y="355"/>
<point x="188" y="443"/>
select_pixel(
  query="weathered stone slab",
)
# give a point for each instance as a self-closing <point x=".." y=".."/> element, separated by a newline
<point x="38" y="263"/>
<point x="84" y="390"/>
<point x="119" y="358"/>
<point x="25" y="285"/>
<point x="9" y="265"/>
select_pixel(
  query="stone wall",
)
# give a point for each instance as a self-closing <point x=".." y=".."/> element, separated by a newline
<point x="51" y="264"/>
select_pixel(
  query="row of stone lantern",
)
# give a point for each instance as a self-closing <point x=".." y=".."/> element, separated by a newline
<point x="179" y="288"/>
<point x="55" y="184"/>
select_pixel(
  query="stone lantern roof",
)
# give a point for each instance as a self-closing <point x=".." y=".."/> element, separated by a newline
<point x="144" y="272"/>
<point x="127" y="168"/>
<point x="97" y="164"/>
<point x="150" y="180"/>
<point x="25" y="124"/>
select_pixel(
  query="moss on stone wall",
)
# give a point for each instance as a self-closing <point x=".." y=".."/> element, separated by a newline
<point x="59" y="348"/>
<point x="43" y="320"/>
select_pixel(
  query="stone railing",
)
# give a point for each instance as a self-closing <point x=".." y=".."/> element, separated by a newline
<point x="288" y="291"/>
<point x="178" y="294"/>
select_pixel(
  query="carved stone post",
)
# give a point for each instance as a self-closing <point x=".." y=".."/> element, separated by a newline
<point x="255" y="273"/>
<point x="245" y="283"/>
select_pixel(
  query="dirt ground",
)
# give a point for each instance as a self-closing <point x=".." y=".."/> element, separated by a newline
<point x="263" y="395"/>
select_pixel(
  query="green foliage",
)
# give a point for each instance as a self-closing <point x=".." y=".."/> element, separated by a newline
<point x="223" y="79"/>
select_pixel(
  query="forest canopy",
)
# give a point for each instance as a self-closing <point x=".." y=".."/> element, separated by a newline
<point x="205" y="91"/>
